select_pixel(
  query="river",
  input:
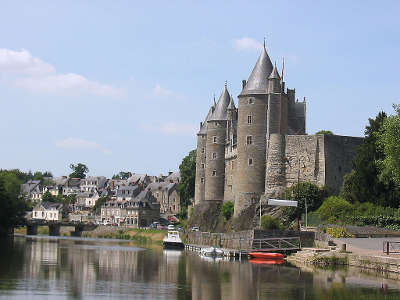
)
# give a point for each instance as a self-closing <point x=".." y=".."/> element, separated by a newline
<point x="67" y="268"/>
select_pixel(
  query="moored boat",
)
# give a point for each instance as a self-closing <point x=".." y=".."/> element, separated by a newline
<point x="260" y="261"/>
<point x="173" y="241"/>
<point x="266" y="255"/>
<point x="212" y="251"/>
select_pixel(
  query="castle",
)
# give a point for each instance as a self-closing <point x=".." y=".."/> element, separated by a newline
<point x="261" y="147"/>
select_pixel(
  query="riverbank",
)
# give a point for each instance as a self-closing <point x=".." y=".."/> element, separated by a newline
<point x="386" y="266"/>
<point x="109" y="232"/>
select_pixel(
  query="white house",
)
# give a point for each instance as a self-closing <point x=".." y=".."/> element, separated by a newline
<point x="48" y="211"/>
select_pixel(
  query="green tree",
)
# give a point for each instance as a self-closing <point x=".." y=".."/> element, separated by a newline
<point x="48" y="197"/>
<point x="303" y="192"/>
<point x="97" y="207"/>
<point x="270" y="223"/>
<point x="122" y="175"/>
<point x="325" y="132"/>
<point x="188" y="173"/>
<point x="79" y="170"/>
<point x="334" y="209"/>
<point x="227" y="210"/>
<point x="363" y="183"/>
<point x="388" y="141"/>
<point x="12" y="205"/>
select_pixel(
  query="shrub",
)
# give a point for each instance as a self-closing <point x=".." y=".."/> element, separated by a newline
<point x="227" y="210"/>
<point x="338" y="232"/>
<point x="270" y="223"/>
<point x="334" y="209"/>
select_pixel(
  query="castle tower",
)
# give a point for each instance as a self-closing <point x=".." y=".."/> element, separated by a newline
<point x="275" y="175"/>
<point x="230" y="151"/>
<point x="215" y="149"/>
<point x="201" y="159"/>
<point x="249" y="181"/>
<point x="274" y="112"/>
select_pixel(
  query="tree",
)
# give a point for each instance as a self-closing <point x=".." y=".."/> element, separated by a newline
<point x="122" y="175"/>
<point x="12" y="205"/>
<point x="325" y="132"/>
<point x="334" y="209"/>
<point x="304" y="192"/>
<point x="97" y="207"/>
<point x="79" y="170"/>
<point x="48" y="197"/>
<point x="188" y="174"/>
<point x="363" y="183"/>
<point x="388" y="141"/>
<point x="270" y="223"/>
<point x="227" y="210"/>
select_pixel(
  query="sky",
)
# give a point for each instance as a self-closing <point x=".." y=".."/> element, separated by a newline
<point x="123" y="85"/>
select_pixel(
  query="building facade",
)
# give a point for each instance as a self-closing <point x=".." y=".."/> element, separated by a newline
<point x="261" y="147"/>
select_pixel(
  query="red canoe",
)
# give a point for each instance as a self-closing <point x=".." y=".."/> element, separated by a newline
<point x="260" y="261"/>
<point x="266" y="255"/>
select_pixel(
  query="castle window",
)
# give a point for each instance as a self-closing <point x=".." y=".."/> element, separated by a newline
<point x="214" y="155"/>
<point x="214" y="173"/>
<point x="202" y="166"/>
<point x="251" y="101"/>
<point x="249" y="119"/>
<point x="214" y="139"/>
<point x="202" y="180"/>
<point x="249" y="139"/>
<point x="203" y="150"/>
<point x="250" y="161"/>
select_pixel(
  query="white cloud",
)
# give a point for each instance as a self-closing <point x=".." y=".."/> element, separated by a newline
<point x="159" y="91"/>
<point x="172" y="128"/>
<point x="77" y="144"/>
<point x="23" y="62"/>
<point x="67" y="83"/>
<point x="247" y="44"/>
<point x="35" y="75"/>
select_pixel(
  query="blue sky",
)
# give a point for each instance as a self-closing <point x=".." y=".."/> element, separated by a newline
<point x="123" y="85"/>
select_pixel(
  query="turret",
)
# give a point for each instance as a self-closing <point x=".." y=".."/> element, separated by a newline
<point x="201" y="159"/>
<point x="251" y="143"/>
<point x="215" y="149"/>
<point x="274" y="113"/>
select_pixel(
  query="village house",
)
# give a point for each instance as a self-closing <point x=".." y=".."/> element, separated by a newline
<point x="92" y="183"/>
<point x="167" y="196"/>
<point x="143" y="210"/>
<point x="173" y="177"/>
<point x="48" y="211"/>
<point x="113" y="211"/>
<point x="127" y="192"/>
<point x="32" y="190"/>
<point x="141" y="180"/>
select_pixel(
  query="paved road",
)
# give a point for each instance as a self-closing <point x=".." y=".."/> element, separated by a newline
<point x="368" y="245"/>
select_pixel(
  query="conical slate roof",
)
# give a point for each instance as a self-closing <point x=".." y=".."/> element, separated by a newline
<point x="221" y="107"/>
<point x="231" y="105"/>
<point x="203" y="129"/>
<point x="258" y="80"/>
<point x="274" y="74"/>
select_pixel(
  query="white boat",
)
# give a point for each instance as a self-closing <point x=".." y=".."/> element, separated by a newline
<point x="173" y="241"/>
<point x="212" y="251"/>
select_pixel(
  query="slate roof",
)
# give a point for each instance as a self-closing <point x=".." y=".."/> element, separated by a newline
<point x="203" y="129"/>
<point x="258" y="79"/>
<point x="231" y="105"/>
<point x="174" y="177"/>
<point x="221" y="107"/>
<point x="274" y="74"/>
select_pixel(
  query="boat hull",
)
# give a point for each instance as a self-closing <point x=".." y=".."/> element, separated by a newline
<point x="173" y="245"/>
<point x="266" y="255"/>
<point x="260" y="261"/>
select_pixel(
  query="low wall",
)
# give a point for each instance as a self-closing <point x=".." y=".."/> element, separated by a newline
<point x="244" y="239"/>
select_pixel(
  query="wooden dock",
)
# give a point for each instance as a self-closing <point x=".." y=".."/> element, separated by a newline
<point x="264" y="245"/>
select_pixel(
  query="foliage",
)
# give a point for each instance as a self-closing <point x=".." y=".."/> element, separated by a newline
<point x="364" y="183"/>
<point x="388" y="141"/>
<point x="79" y="170"/>
<point x="42" y="177"/>
<point x="48" y="197"/>
<point x="227" y="210"/>
<point x="12" y="205"/>
<point x="325" y="132"/>
<point x="188" y="173"/>
<point x="303" y="192"/>
<point x="270" y="223"/>
<point x="338" y="232"/>
<point x="97" y="207"/>
<point x="122" y="175"/>
<point x="334" y="209"/>
<point x="183" y="213"/>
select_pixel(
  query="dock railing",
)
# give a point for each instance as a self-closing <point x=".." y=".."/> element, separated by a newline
<point x="277" y="244"/>
<point x="390" y="247"/>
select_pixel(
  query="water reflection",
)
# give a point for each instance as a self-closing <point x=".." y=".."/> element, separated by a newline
<point x="33" y="268"/>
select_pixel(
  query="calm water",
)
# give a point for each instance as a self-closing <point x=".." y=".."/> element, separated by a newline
<point x="51" y="268"/>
